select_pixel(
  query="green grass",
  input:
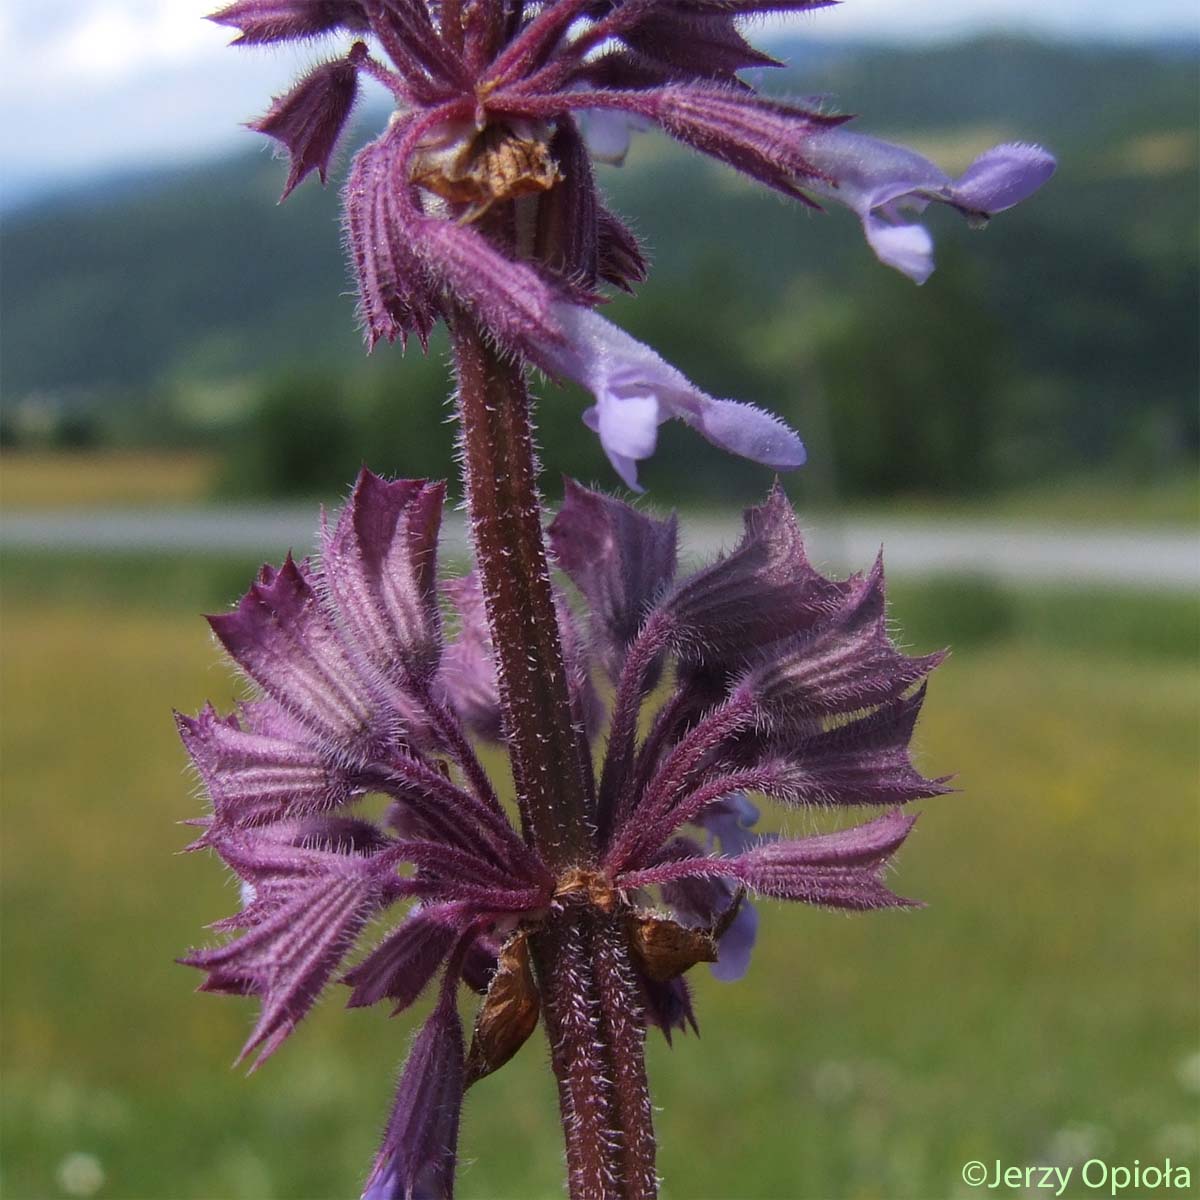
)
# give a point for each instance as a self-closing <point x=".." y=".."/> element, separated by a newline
<point x="1048" y="992"/>
<point x="43" y="479"/>
<point x="1171" y="500"/>
<point x="960" y="611"/>
<point x="40" y="479"/>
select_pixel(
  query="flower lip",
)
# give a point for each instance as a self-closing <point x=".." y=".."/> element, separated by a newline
<point x="636" y="391"/>
<point x="1003" y="177"/>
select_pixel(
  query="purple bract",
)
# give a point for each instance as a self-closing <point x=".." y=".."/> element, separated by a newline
<point x="783" y="683"/>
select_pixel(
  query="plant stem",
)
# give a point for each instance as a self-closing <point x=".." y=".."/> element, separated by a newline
<point x="551" y="769"/>
<point x="590" y="1001"/>
<point x="597" y="1048"/>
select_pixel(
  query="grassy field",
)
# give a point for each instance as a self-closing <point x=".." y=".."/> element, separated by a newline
<point x="1044" y="1005"/>
<point x="1171" y="499"/>
<point x="85" y="479"/>
<point x="32" y="479"/>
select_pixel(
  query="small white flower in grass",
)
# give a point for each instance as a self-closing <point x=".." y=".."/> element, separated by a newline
<point x="80" y="1174"/>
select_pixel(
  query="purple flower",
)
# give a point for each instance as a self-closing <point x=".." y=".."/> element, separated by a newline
<point x="876" y="180"/>
<point x="786" y="685"/>
<point x="608" y="135"/>
<point x="636" y="391"/>
<point x="498" y="115"/>
<point x="729" y="824"/>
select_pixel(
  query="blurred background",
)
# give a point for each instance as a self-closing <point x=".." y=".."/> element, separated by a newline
<point x="182" y="381"/>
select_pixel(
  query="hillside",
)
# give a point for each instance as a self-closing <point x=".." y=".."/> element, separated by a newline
<point x="1068" y="329"/>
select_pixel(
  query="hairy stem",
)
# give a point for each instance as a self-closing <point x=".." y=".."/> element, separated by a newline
<point x="594" y="1023"/>
<point x="549" y="756"/>
<point x="590" y="1001"/>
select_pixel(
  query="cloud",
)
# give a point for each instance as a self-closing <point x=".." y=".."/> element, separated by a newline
<point x="97" y="85"/>
<point x="1078" y="18"/>
<point x="93" y="85"/>
<point x="92" y="45"/>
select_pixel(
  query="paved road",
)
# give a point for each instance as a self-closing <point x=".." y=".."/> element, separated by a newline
<point x="1154" y="559"/>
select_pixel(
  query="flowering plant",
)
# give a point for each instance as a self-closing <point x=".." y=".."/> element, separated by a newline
<point x="478" y="207"/>
<point x="361" y="694"/>
<point x="479" y="197"/>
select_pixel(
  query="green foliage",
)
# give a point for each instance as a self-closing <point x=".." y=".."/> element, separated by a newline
<point x="962" y="612"/>
<point x="913" y="382"/>
<point x="1061" y="341"/>
<point x="298" y="441"/>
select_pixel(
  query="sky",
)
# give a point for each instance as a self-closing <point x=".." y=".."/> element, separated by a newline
<point x="95" y="86"/>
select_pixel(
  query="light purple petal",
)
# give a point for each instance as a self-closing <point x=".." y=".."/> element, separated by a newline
<point x="1003" y="176"/>
<point x="730" y="823"/>
<point x="750" y="432"/>
<point x="607" y="133"/>
<point x="908" y="248"/>
<point x="865" y="173"/>
<point x="627" y="423"/>
<point x="636" y="391"/>
<point x="703" y="901"/>
<point x="876" y="179"/>
<point x="736" y="945"/>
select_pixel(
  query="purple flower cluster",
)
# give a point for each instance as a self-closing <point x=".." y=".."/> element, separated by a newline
<point x="776" y="681"/>
<point x="480" y="195"/>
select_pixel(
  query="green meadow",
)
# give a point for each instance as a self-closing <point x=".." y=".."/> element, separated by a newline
<point x="1042" y="1008"/>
